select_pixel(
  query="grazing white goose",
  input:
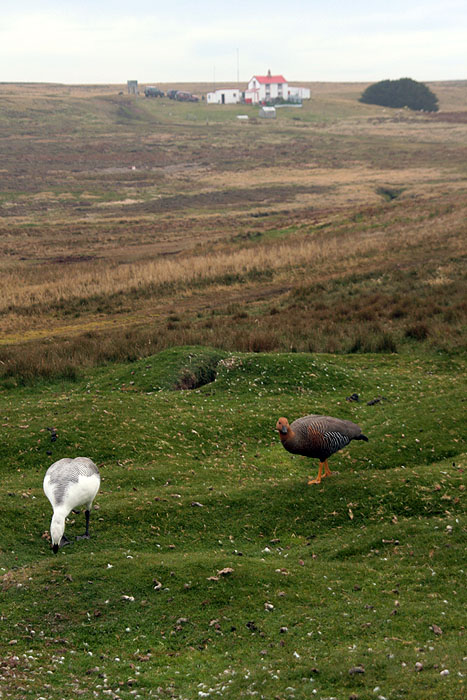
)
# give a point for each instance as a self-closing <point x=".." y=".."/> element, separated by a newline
<point x="68" y="484"/>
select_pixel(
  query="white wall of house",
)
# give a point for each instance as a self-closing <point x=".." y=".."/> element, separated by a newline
<point x="226" y="96"/>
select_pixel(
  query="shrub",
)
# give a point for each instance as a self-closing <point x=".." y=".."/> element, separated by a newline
<point x="389" y="193"/>
<point x="404" y="92"/>
<point x="417" y="331"/>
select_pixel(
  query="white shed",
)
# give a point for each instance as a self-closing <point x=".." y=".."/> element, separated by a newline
<point x="302" y="93"/>
<point x="224" y="96"/>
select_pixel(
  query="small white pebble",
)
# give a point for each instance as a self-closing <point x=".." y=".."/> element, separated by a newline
<point x="444" y="672"/>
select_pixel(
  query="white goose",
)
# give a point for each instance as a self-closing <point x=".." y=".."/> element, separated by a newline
<point x="68" y="484"/>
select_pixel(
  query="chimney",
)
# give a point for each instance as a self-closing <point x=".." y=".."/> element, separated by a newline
<point x="269" y="73"/>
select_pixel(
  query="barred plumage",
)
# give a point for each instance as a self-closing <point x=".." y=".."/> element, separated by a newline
<point x="319" y="437"/>
<point x="68" y="484"/>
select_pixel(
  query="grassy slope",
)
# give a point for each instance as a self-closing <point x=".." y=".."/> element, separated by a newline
<point x="357" y="569"/>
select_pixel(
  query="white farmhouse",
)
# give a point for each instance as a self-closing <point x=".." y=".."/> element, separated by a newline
<point x="226" y="96"/>
<point x="263" y="88"/>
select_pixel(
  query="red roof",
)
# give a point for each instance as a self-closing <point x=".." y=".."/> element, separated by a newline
<point x="268" y="79"/>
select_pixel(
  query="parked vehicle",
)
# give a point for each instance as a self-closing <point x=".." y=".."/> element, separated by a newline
<point x="152" y="91"/>
<point x="183" y="96"/>
<point x="171" y="94"/>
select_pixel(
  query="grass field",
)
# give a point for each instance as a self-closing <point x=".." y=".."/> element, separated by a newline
<point x="172" y="281"/>
<point x="334" y="590"/>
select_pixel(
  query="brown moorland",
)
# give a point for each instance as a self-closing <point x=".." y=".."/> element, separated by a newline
<point x="128" y="225"/>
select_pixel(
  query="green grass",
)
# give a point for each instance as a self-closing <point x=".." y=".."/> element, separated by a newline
<point x="361" y="570"/>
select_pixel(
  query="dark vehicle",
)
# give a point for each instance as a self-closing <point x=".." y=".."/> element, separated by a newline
<point x="171" y="94"/>
<point x="182" y="96"/>
<point x="152" y="91"/>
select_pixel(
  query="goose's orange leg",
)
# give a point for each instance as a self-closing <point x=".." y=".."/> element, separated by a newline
<point x="327" y="471"/>
<point x="318" y="478"/>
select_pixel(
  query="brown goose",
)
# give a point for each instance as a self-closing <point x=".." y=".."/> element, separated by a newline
<point x="318" y="437"/>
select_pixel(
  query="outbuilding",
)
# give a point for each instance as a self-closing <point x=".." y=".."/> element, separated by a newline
<point x="300" y="93"/>
<point x="224" y="96"/>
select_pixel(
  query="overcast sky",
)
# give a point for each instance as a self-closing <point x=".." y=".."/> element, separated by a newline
<point x="110" y="41"/>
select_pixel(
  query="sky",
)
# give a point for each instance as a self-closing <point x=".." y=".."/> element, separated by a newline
<point x="112" y="41"/>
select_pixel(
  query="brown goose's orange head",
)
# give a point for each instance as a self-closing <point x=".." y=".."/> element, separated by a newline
<point x="283" y="427"/>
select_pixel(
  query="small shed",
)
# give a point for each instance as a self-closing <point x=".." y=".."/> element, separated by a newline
<point x="226" y="96"/>
<point x="267" y="112"/>
<point x="302" y="93"/>
<point x="132" y="87"/>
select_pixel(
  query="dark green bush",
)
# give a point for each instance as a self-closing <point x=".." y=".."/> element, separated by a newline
<point x="404" y="92"/>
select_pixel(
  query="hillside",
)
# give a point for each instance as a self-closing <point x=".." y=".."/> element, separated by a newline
<point x="129" y="225"/>
<point x="213" y="569"/>
<point x="173" y="280"/>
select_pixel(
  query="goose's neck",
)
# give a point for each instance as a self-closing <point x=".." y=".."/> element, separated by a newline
<point x="57" y="526"/>
<point x="289" y="435"/>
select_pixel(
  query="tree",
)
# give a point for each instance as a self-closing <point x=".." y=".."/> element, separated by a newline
<point x="404" y="92"/>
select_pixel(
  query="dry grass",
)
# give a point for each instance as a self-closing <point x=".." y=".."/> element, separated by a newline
<point x="324" y="250"/>
<point x="117" y="212"/>
<point x="188" y="271"/>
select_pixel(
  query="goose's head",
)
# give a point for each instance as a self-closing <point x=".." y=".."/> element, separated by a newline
<point x="57" y="528"/>
<point x="283" y="427"/>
